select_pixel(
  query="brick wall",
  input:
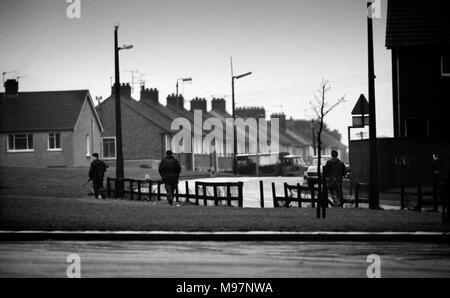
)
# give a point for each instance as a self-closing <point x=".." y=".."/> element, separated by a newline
<point x="400" y="160"/>
<point x="40" y="157"/>
<point x="141" y="138"/>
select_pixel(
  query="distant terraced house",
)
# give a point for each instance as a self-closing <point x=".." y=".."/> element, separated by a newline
<point x="47" y="128"/>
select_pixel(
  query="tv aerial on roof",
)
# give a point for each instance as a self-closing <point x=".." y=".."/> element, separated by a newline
<point x="5" y="73"/>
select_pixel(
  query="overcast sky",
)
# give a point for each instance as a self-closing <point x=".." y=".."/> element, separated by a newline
<point x="289" y="45"/>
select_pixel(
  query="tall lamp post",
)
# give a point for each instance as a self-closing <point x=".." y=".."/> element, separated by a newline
<point x="374" y="195"/>
<point x="183" y="80"/>
<point x="233" y="77"/>
<point x="119" y="185"/>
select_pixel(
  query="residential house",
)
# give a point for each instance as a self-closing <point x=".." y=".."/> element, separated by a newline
<point x="47" y="128"/>
<point x="418" y="35"/>
<point x="145" y="131"/>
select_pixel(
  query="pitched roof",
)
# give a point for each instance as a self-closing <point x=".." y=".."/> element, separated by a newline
<point x="42" y="111"/>
<point x="147" y="111"/>
<point x="417" y="23"/>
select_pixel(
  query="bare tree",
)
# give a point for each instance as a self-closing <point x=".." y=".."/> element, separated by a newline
<point x="322" y="107"/>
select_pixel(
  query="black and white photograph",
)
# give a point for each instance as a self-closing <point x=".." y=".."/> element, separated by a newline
<point x="225" y="147"/>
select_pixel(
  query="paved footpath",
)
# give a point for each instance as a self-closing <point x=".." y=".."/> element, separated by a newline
<point x="223" y="259"/>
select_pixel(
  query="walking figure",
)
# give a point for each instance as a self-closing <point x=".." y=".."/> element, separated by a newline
<point x="334" y="171"/>
<point x="170" y="169"/>
<point x="96" y="174"/>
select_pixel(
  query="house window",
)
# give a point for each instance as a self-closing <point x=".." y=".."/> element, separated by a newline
<point x="88" y="146"/>
<point x="445" y="65"/>
<point x="54" y="142"/>
<point x="109" y="148"/>
<point x="22" y="142"/>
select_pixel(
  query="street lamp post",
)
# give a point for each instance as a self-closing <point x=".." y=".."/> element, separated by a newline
<point x="233" y="77"/>
<point x="183" y="80"/>
<point x="374" y="196"/>
<point x="119" y="185"/>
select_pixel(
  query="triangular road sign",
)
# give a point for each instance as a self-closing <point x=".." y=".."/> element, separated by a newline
<point x="361" y="106"/>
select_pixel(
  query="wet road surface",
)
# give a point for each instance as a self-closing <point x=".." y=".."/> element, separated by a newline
<point x="223" y="259"/>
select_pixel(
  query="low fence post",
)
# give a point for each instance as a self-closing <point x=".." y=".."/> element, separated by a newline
<point x="158" y="191"/>
<point x="447" y="202"/>
<point x="402" y="196"/>
<point x="325" y="198"/>
<point x="205" y="201"/>
<point x="435" y="196"/>
<point x="357" y="194"/>
<point x="444" y="207"/>
<point x="228" y="195"/>
<point x="108" y="187"/>
<point x="286" y="194"/>
<point x="130" y="182"/>
<point x="150" y="186"/>
<point x="216" y="200"/>
<point x="139" y="189"/>
<point x="274" y="196"/>
<point x="196" y="193"/>
<point x="261" y="193"/>
<point x="187" y="191"/>
<point x="419" y="198"/>
<point x="240" y="194"/>
<point x="299" y="196"/>
<point x="319" y="203"/>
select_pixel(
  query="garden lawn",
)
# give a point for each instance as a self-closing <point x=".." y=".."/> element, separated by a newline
<point x="45" y="213"/>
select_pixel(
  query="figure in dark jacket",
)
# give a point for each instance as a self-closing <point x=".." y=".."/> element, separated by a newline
<point x="170" y="169"/>
<point x="96" y="174"/>
<point x="334" y="171"/>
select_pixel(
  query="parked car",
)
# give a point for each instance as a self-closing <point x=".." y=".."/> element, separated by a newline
<point x="271" y="164"/>
<point x="311" y="176"/>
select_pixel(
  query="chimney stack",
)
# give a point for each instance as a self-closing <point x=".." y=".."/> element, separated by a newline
<point x="11" y="88"/>
<point x="175" y="101"/>
<point x="251" y="112"/>
<point x="125" y="90"/>
<point x="198" y="104"/>
<point x="218" y="104"/>
<point x="150" y="96"/>
<point x="282" y="120"/>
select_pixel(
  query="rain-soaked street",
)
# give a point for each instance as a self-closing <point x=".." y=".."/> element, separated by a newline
<point x="223" y="259"/>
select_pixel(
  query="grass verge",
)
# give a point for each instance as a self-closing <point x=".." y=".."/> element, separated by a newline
<point x="39" y="213"/>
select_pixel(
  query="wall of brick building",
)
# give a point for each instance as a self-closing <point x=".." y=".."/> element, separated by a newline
<point x="423" y="91"/>
<point x="225" y="164"/>
<point x="142" y="139"/>
<point x="40" y="157"/>
<point x="202" y="162"/>
<point x="400" y="160"/>
<point x="86" y="126"/>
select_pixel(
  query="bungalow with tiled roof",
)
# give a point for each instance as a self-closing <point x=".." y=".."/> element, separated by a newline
<point x="47" y="128"/>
